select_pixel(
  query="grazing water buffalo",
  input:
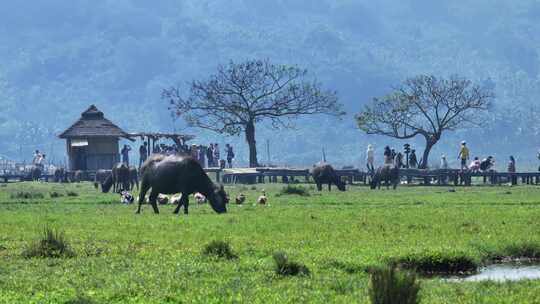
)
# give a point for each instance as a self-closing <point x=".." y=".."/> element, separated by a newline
<point x="387" y="173"/>
<point x="101" y="177"/>
<point x="325" y="174"/>
<point x="178" y="174"/>
<point x="60" y="175"/>
<point x="119" y="179"/>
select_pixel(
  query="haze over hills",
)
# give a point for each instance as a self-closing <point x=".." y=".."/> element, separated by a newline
<point x="57" y="57"/>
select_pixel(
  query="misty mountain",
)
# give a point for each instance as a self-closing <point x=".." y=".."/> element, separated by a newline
<point x="57" y="57"/>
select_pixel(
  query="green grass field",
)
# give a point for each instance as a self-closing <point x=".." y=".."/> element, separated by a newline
<point x="121" y="257"/>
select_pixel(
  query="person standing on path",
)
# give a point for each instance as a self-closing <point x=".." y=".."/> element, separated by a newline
<point x="125" y="154"/>
<point x="143" y="153"/>
<point x="370" y="158"/>
<point x="464" y="155"/>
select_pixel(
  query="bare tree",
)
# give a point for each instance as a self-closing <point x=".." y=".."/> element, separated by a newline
<point x="240" y="95"/>
<point x="427" y="106"/>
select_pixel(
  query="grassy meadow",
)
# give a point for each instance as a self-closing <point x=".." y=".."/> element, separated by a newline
<point x="120" y="257"/>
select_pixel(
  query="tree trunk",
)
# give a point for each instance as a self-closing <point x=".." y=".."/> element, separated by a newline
<point x="430" y="142"/>
<point x="250" y="138"/>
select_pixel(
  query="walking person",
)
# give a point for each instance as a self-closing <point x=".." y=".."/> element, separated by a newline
<point x="143" y="153"/>
<point x="230" y="155"/>
<point x="512" y="170"/>
<point x="216" y="154"/>
<point x="210" y="156"/>
<point x="387" y="156"/>
<point x="125" y="154"/>
<point x="444" y="162"/>
<point x="413" y="161"/>
<point x="464" y="155"/>
<point x="202" y="156"/>
<point x="370" y="158"/>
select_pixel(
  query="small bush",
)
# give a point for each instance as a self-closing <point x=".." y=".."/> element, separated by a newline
<point x="72" y="194"/>
<point x="390" y="286"/>
<point x="52" y="244"/>
<point x="294" y="190"/>
<point x="27" y="195"/>
<point x="438" y="263"/>
<point x="55" y="194"/>
<point x="285" y="267"/>
<point x="220" y="249"/>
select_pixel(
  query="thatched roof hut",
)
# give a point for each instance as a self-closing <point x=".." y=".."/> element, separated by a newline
<point x="92" y="141"/>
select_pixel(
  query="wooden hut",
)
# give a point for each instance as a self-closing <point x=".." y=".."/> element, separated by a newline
<point x="92" y="142"/>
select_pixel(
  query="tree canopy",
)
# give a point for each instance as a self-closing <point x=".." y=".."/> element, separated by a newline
<point x="427" y="106"/>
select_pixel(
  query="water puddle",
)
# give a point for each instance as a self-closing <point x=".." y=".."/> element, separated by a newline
<point x="503" y="272"/>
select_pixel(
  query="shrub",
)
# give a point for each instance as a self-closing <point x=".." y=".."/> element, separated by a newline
<point x="285" y="267"/>
<point x="390" y="286"/>
<point x="220" y="249"/>
<point x="294" y="190"/>
<point x="27" y="195"/>
<point x="55" y="194"/>
<point x="438" y="263"/>
<point x="52" y="244"/>
<point x="72" y="194"/>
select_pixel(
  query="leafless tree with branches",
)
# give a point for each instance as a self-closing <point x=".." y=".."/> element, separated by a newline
<point x="427" y="106"/>
<point x="240" y="95"/>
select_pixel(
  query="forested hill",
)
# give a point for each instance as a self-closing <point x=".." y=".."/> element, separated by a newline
<point x="59" y="56"/>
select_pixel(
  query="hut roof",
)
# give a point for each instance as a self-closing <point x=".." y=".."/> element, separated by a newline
<point x="93" y="124"/>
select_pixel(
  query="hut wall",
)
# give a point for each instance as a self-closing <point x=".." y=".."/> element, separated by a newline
<point x="101" y="153"/>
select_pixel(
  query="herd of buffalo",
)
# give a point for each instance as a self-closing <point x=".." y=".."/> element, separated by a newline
<point x="177" y="174"/>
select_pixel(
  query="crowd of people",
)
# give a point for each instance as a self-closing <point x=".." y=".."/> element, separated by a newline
<point x="207" y="156"/>
<point x="410" y="160"/>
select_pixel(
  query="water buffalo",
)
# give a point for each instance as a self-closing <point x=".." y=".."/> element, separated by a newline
<point x="389" y="174"/>
<point x="119" y="179"/>
<point x="60" y="175"/>
<point x="325" y="174"/>
<point x="133" y="178"/>
<point x="101" y="177"/>
<point x="178" y="174"/>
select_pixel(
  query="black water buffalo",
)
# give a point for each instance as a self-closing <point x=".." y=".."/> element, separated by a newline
<point x="325" y="174"/>
<point x="119" y="179"/>
<point x="101" y="177"/>
<point x="60" y="175"/>
<point x="389" y="174"/>
<point x="178" y="174"/>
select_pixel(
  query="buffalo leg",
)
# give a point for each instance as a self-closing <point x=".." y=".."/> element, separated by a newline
<point x="319" y="187"/>
<point x="329" y="187"/>
<point x="186" y="205"/>
<point x="142" y="194"/>
<point x="153" y="200"/>
<point x="182" y="201"/>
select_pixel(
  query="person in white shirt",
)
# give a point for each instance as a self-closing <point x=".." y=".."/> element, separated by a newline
<point x="370" y="158"/>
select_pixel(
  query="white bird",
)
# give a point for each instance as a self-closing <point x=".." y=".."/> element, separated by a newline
<point x="263" y="199"/>
<point x="162" y="199"/>
<point x="240" y="199"/>
<point x="126" y="198"/>
<point x="175" y="199"/>
<point x="200" y="198"/>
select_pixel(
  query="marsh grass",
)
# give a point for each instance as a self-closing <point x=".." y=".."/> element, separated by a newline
<point x="433" y="263"/>
<point x="72" y="194"/>
<point x="220" y="249"/>
<point x="285" y="267"/>
<point x="32" y="195"/>
<point x="51" y="244"/>
<point x="388" y="285"/>
<point x="294" y="190"/>
<point x="55" y="194"/>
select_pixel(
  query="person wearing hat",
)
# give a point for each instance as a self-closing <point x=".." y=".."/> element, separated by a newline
<point x="464" y="155"/>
